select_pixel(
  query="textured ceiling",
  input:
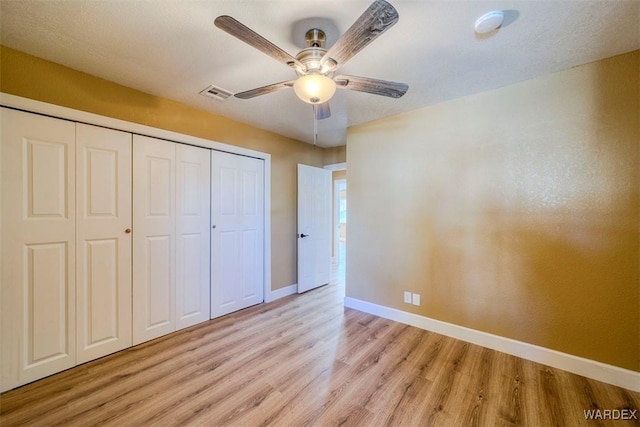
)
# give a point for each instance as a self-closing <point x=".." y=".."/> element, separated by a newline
<point x="172" y="49"/>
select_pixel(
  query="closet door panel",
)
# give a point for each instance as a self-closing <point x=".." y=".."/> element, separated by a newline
<point x="103" y="241"/>
<point x="237" y="241"/>
<point x="252" y="180"/>
<point x="154" y="243"/>
<point x="38" y="288"/>
<point x="193" y="180"/>
<point x="158" y="288"/>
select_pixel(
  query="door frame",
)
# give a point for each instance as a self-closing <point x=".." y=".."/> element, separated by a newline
<point x="335" y="197"/>
<point x="336" y="217"/>
<point x="38" y="107"/>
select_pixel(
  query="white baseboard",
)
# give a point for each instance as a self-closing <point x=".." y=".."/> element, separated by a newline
<point x="578" y="365"/>
<point x="281" y="293"/>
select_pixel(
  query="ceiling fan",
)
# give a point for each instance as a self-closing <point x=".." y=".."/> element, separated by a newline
<point x="316" y="66"/>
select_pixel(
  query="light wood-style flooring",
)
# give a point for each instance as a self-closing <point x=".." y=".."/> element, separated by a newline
<point x="306" y="360"/>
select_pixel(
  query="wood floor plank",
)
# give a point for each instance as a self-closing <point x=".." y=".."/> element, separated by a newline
<point x="478" y="391"/>
<point x="405" y="403"/>
<point x="306" y="360"/>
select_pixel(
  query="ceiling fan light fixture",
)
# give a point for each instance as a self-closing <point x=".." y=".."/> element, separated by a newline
<point x="314" y="88"/>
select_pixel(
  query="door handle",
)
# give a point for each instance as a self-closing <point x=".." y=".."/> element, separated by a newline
<point x="302" y="236"/>
<point x="127" y="230"/>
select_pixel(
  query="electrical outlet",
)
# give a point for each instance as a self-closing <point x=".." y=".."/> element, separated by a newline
<point x="407" y="297"/>
<point x="415" y="300"/>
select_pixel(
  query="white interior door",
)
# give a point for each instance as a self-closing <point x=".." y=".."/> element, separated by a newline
<point x="193" y="181"/>
<point x="38" y="292"/>
<point x="103" y="241"/>
<point x="154" y="228"/>
<point x="237" y="235"/>
<point x="314" y="227"/>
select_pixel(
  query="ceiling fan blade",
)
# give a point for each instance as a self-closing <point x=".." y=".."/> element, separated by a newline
<point x="323" y="111"/>
<point x="374" y="86"/>
<point x="263" y="90"/>
<point x="250" y="37"/>
<point x="377" y="19"/>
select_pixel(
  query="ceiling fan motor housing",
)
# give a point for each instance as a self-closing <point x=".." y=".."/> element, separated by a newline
<point x="311" y="57"/>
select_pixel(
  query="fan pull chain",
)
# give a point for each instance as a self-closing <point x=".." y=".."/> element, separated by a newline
<point x="315" y="125"/>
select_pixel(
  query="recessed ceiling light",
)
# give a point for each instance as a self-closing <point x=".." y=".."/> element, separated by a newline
<point x="489" y="22"/>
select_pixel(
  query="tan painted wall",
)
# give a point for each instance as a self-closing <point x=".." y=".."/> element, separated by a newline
<point x="35" y="78"/>
<point x="513" y="212"/>
<point x="335" y="155"/>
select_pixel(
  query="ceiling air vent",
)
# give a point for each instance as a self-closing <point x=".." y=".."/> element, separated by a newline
<point x="216" y="93"/>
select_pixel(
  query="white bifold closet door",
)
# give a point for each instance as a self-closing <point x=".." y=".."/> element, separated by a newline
<point x="154" y="241"/>
<point x="103" y="241"/>
<point x="38" y="290"/>
<point x="171" y="232"/>
<point x="193" y="179"/>
<point x="237" y="238"/>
